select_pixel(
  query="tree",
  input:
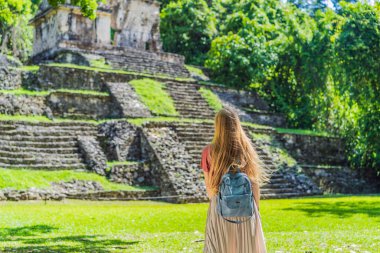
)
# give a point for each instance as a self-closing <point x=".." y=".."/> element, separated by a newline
<point x="187" y="27"/>
<point x="88" y="7"/>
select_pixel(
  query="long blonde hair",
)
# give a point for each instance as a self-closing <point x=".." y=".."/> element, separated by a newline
<point x="231" y="147"/>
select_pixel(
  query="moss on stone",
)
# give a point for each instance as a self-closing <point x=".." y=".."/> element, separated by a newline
<point x="303" y="132"/>
<point x="119" y="71"/>
<point x="211" y="98"/>
<point x="154" y="96"/>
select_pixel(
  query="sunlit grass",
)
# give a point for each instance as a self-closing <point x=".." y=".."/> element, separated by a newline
<point x="211" y="98"/>
<point x="325" y="224"/>
<point x="26" y="178"/>
<point x="154" y="96"/>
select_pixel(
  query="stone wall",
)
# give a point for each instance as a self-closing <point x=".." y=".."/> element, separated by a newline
<point x="339" y="180"/>
<point x="136" y="24"/>
<point x="137" y="174"/>
<point x="51" y="77"/>
<point x="66" y="104"/>
<point x="24" y="105"/>
<point x="10" y="78"/>
<point x="128" y="102"/>
<point x="317" y="150"/>
<point x="93" y="155"/>
<point x="65" y="22"/>
<point x="120" y="141"/>
<point x="249" y="106"/>
<point x="178" y="178"/>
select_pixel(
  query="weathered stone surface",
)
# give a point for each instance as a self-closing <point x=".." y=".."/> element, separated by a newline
<point x="93" y="155"/>
<point x="250" y="107"/>
<point x="76" y="105"/>
<point x="57" y="191"/>
<point x="178" y="179"/>
<point x="23" y="105"/>
<point x="137" y="174"/>
<point x="52" y="77"/>
<point x="137" y="24"/>
<point x="127" y="100"/>
<point x="120" y="140"/>
<point x="339" y="180"/>
<point x="76" y="186"/>
<point x="67" y="23"/>
<point x="314" y="150"/>
<point x="10" y="78"/>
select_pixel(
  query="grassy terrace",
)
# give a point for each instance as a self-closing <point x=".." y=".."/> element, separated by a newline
<point x="140" y="121"/>
<point x="154" y="96"/>
<point x="211" y="98"/>
<point x="118" y="71"/>
<point x="24" y="178"/>
<point x="19" y="92"/>
<point x="324" y="224"/>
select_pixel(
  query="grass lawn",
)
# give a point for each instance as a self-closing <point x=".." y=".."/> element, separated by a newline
<point x="24" y="179"/>
<point x="154" y="96"/>
<point x="326" y="224"/>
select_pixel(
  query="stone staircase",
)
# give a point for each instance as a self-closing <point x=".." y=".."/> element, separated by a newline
<point x="196" y="135"/>
<point x="50" y="146"/>
<point x="188" y="101"/>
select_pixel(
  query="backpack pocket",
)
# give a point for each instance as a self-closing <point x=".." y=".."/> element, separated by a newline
<point x="236" y="205"/>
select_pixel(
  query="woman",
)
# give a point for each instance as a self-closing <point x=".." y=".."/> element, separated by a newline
<point x="229" y="145"/>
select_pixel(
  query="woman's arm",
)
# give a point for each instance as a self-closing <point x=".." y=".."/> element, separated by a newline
<point x="207" y="184"/>
<point x="256" y="194"/>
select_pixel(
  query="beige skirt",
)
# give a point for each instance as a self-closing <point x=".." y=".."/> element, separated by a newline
<point x="226" y="237"/>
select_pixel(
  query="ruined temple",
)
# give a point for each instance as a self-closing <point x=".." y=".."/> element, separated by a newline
<point x="124" y="34"/>
<point x="93" y="115"/>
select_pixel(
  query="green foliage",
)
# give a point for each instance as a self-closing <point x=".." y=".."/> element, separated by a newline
<point x="154" y="96"/>
<point x="15" y="34"/>
<point x="24" y="179"/>
<point x="88" y="7"/>
<point x="309" y="224"/>
<point x="187" y="27"/>
<point x="211" y="98"/>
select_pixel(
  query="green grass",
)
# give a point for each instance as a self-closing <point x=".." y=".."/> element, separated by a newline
<point x="84" y="92"/>
<point x="326" y="224"/>
<point x="211" y="98"/>
<point x="32" y="68"/>
<point x="154" y="96"/>
<point x="6" y="117"/>
<point x="141" y="121"/>
<point x="196" y="71"/>
<point x="23" y="91"/>
<point x="303" y="132"/>
<point x="112" y="163"/>
<point x="24" y="179"/>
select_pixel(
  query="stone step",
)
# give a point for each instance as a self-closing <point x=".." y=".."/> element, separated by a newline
<point x="50" y="133"/>
<point x="23" y="155"/>
<point x="39" y="160"/>
<point x="281" y="195"/>
<point x="78" y="166"/>
<point x="64" y="144"/>
<point x="119" y="195"/>
<point x="27" y="138"/>
<point x="68" y="150"/>
<point x="277" y="190"/>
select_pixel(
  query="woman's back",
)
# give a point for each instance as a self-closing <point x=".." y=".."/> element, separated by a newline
<point x="223" y="236"/>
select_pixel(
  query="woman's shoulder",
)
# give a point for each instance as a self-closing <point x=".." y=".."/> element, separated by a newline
<point x="206" y="148"/>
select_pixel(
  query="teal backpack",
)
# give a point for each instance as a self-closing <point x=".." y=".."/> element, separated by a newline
<point x="235" y="197"/>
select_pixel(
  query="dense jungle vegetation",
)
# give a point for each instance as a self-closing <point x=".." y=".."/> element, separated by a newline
<point x="315" y="61"/>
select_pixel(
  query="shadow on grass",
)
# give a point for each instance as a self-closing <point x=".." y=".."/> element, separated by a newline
<point x="341" y="209"/>
<point x="25" y="231"/>
<point x="30" y="239"/>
